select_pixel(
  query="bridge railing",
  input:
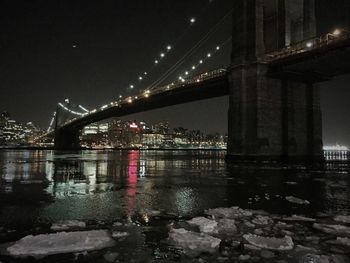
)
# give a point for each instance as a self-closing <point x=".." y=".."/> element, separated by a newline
<point x="197" y="79"/>
<point x="309" y="44"/>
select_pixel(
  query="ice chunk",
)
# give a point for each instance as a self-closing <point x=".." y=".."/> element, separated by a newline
<point x="262" y="220"/>
<point x="117" y="234"/>
<point x="66" y="225"/>
<point x="343" y="241"/>
<point x="231" y="212"/>
<point x="227" y="226"/>
<point x="62" y="242"/>
<point x="111" y="256"/>
<point x="296" y="200"/>
<point x="194" y="243"/>
<point x="205" y="225"/>
<point x="299" y="218"/>
<point x="337" y="230"/>
<point x="271" y="243"/>
<point x="342" y="219"/>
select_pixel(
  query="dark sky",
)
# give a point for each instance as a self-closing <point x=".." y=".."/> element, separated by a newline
<point x="91" y="51"/>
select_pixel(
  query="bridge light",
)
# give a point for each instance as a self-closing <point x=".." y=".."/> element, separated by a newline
<point x="140" y="78"/>
<point x="146" y="95"/>
<point x="180" y="78"/>
<point x="168" y="47"/>
<point x="193" y="67"/>
<point x="162" y="55"/>
<point x="186" y="73"/>
<point x="192" y="20"/>
<point x="120" y="96"/>
<point x="336" y="32"/>
<point x="209" y="55"/>
<point x="129" y="100"/>
<point x="145" y="73"/>
<point x="218" y="48"/>
<point x="131" y="86"/>
<point x="309" y="44"/>
<point x="156" y="62"/>
<point x="201" y="62"/>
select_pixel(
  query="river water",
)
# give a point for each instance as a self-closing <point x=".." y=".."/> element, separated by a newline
<point x="149" y="191"/>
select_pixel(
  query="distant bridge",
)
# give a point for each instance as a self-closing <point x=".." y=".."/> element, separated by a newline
<point x="274" y="104"/>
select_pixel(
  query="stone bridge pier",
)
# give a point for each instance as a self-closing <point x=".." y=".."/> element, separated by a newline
<point x="268" y="118"/>
<point x="67" y="139"/>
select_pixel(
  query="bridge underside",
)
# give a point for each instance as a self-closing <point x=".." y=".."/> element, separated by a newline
<point x="67" y="137"/>
<point x="313" y="66"/>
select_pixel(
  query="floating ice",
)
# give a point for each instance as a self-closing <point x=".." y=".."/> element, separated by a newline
<point x="271" y="243"/>
<point x="63" y="242"/>
<point x="342" y="219"/>
<point x="194" y="243"/>
<point x="262" y="220"/>
<point x="227" y="226"/>
<point x="205" y="225"/>
<point x="337" y="230"/>
<point x="299" y="218"/>
<point x="232" y="212"/>
<point x="66" y="225"/>
<point x="296" y="200"/>
<point x="117" y="234"/>
<point x="343" y="241"/>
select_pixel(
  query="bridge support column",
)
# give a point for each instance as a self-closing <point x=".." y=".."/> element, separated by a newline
<point x="67" y="139"/>
<point x="270" y="118"/>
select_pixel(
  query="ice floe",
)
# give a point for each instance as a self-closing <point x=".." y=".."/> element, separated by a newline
<point x="66" y="225"/>
<point x="343" y="241"/>
<point x="337" y="230"/>
<point x="118" y="234"/>
<point x="342" y="219"/>
<point x="205" y="225"/>
<point x="193" y="242"/>
<point x="231" y="212"/>
<point x="271" y="243"/>
<point x="299" y="218"/>
<point x="296" y="200"/>
<point x="62" y="242"/>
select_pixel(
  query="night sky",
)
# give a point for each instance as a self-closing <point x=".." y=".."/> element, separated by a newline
<point x="91" y="51"/>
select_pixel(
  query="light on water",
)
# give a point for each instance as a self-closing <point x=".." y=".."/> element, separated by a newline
<point x="141" y="195"/>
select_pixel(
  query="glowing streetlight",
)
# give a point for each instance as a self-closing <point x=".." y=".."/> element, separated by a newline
<point x="168" y="47"/>
<point x="201" y="62"/>
<point x="162" y="55"/>
<point x="209" y="55"/>
<point x="132" y="86"/>
<point x="193" y="67"/>
<point x="140" y="78"/>
<point x="156" y="61"/>
<point x="217" y="48"/>
<point x="192" y="20"/>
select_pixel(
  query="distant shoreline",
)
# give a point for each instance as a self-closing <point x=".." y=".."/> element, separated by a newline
<point x="112" y="149"/>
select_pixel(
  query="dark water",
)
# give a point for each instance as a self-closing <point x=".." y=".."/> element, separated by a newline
<point x="38" y="188"/>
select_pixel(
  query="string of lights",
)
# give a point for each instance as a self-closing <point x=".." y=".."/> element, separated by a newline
<point x="194" y="49"/>
<point x="51" y="122"/>
<point x="167" y="49"/>
<point x="201" y="61"/>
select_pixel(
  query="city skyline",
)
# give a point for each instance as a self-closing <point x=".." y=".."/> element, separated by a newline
<point x="70" y="43"/>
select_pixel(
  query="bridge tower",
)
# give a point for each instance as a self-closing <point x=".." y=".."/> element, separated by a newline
<point x="271" y="118"/>
<point x="65" y="138"/>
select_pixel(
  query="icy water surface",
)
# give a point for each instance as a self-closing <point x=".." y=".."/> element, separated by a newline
<point x="139" y="200"/>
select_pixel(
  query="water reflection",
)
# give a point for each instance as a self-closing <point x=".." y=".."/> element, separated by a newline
<point x="99" y="185"/>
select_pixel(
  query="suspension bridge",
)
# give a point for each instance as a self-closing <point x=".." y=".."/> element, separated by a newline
<point x="271" y="82"/>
